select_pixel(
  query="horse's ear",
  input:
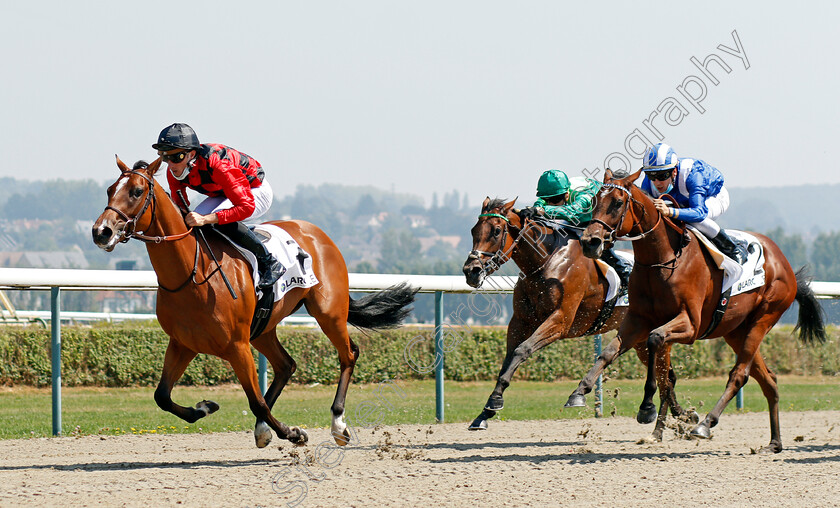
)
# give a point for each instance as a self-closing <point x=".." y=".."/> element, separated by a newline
<point x="632" y="178"/>
<point x="121" y="164"/>
<point x="485" y="203"/>
<point x="608" y="175"/>
<point x="509" y="205"/>
<point x="154" y="166"/>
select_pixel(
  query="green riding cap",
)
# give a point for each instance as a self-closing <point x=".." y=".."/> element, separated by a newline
<point x="552" y="183"/>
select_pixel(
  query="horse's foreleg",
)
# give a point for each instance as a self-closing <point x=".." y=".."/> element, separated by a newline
<point x="174" y="363"/>
<point x="553" y="328"/>
<point x="678" y="328"/>
<point x="517" y="332"/>
<point x="240" y="358"/>
<point x="632" y="332"/>
<point x="284" y="366"/>
<point x="666" y="389"/>
<point x="608" y="355"/>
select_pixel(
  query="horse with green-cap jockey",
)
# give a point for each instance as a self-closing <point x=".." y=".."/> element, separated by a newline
<point x="572" y="200"/>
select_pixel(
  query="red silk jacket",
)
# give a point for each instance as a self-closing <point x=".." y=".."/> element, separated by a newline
<point x="221" y="171"/>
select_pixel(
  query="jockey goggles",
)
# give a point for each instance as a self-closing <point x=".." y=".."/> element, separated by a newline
<point x="659" y="176"/>
<point x="174" y="157"/>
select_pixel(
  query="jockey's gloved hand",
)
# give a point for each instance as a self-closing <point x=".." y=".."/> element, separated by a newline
<point x="530" y="213"/>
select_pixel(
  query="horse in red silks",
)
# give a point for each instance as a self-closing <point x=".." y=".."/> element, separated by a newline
<point x="198" y="311"/>
<point x="674" y="292"/>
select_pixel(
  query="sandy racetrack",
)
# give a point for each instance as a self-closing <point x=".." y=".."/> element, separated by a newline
<point x="570" y="463"/>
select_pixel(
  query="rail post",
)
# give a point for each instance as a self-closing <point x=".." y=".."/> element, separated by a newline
<point x="262" y="373"/>
<point x="439" y="356"/>
<point x="599" y="393"/>
<point x="55" y="331"/>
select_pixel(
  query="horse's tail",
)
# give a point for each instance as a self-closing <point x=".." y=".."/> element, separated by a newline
<point x="811" y="314"/>
<point x="383" y="309"/>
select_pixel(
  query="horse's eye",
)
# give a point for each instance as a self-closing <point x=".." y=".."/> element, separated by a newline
<point x="136" y="192"/>
<point x="497" y="231"/>
<point x="615" y="206"/>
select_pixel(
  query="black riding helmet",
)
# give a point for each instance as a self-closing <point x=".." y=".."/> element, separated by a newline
<point x="177" y="135"/>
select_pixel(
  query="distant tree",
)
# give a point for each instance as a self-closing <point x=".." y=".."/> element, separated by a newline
<point x="465" y="203"/>
<point x="364" y="267"/>
<point x="400" y="252"/>
<point x="366" y="206"/>
<point x="824" y="256"/>
<point x="792" y="246"/>
<point x="452" y="201"/>
<point x="434" y="200"/>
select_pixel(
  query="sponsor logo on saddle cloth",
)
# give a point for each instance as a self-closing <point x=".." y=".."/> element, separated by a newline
<point x="740" y="278"/>
<point x="298" y="262"/>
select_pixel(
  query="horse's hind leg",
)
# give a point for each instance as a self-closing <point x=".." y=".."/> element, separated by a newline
<point x="745" y="341"/>
<point x="284" y="366"/>
<point x="767" y="381"/>
<point x="174" y="363"/>
<point x="335" y="327"/>
<point x="240" y="358"/>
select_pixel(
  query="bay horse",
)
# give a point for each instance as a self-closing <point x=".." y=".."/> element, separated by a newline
<point x="197" y="311"/>
<point x="561" y="294"/>
<point x="674" y="290"/>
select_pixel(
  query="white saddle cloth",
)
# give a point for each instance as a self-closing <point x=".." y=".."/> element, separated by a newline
<point x="286" y="250"/>
<point x="613" y="279"/>
<point x="741" y="278"/>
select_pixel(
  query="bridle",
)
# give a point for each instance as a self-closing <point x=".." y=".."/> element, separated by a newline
<point x="612" y="232"/>
<point x="129" y="230"/>
<point x="500" y="257"/>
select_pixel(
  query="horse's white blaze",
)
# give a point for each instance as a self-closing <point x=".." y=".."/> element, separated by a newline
<point x="262" y="434"/>
<point x="120" y="184"/>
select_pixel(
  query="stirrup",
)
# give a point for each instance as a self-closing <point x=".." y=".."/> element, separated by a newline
<point x="271" y="274"/>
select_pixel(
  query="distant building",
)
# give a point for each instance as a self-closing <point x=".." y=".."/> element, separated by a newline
<point x="73" y="258"/>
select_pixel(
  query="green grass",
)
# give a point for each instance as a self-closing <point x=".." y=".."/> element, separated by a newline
<point x="26" y="412"/>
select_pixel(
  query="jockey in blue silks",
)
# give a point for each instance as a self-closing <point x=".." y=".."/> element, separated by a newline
<point x="697" y="187"/>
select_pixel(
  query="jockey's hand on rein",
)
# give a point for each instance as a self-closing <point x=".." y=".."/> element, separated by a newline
<point x="529" y="213"/>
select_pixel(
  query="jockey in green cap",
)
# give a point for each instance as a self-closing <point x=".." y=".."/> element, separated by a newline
<point x="572" y="200"/>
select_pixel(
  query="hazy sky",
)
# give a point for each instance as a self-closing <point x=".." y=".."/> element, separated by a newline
<point x="421" y="97"/>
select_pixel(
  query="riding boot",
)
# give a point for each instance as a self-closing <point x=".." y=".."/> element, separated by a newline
<point x="268" y="267"/>
<point x="730" y="247"/>
<point x="621" y="266"/>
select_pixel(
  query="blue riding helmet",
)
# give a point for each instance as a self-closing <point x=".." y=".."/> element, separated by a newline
<point x="658" y="157"/>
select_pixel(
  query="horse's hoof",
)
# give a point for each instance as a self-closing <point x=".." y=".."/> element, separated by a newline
<point x="478" y="424"/>
<point x="207" y="407"/>
<point x="773" y="447"/>
<point x="575" y="401"/>
<point x="301" y="438"/>
<point x="693" y="417"/>
<point x="646" y="414"/>
<point x="342" y="439"/>
<point x="495" y="403"/>
<point x="701" y="431"/>
<point x="262" y="434"/>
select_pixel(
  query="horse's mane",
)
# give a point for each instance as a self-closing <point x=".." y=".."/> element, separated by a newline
<point x="141" y="164"/>
<point x="496" y="203"/>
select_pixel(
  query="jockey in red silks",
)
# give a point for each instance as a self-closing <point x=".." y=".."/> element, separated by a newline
<point x="233" y="183"/>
